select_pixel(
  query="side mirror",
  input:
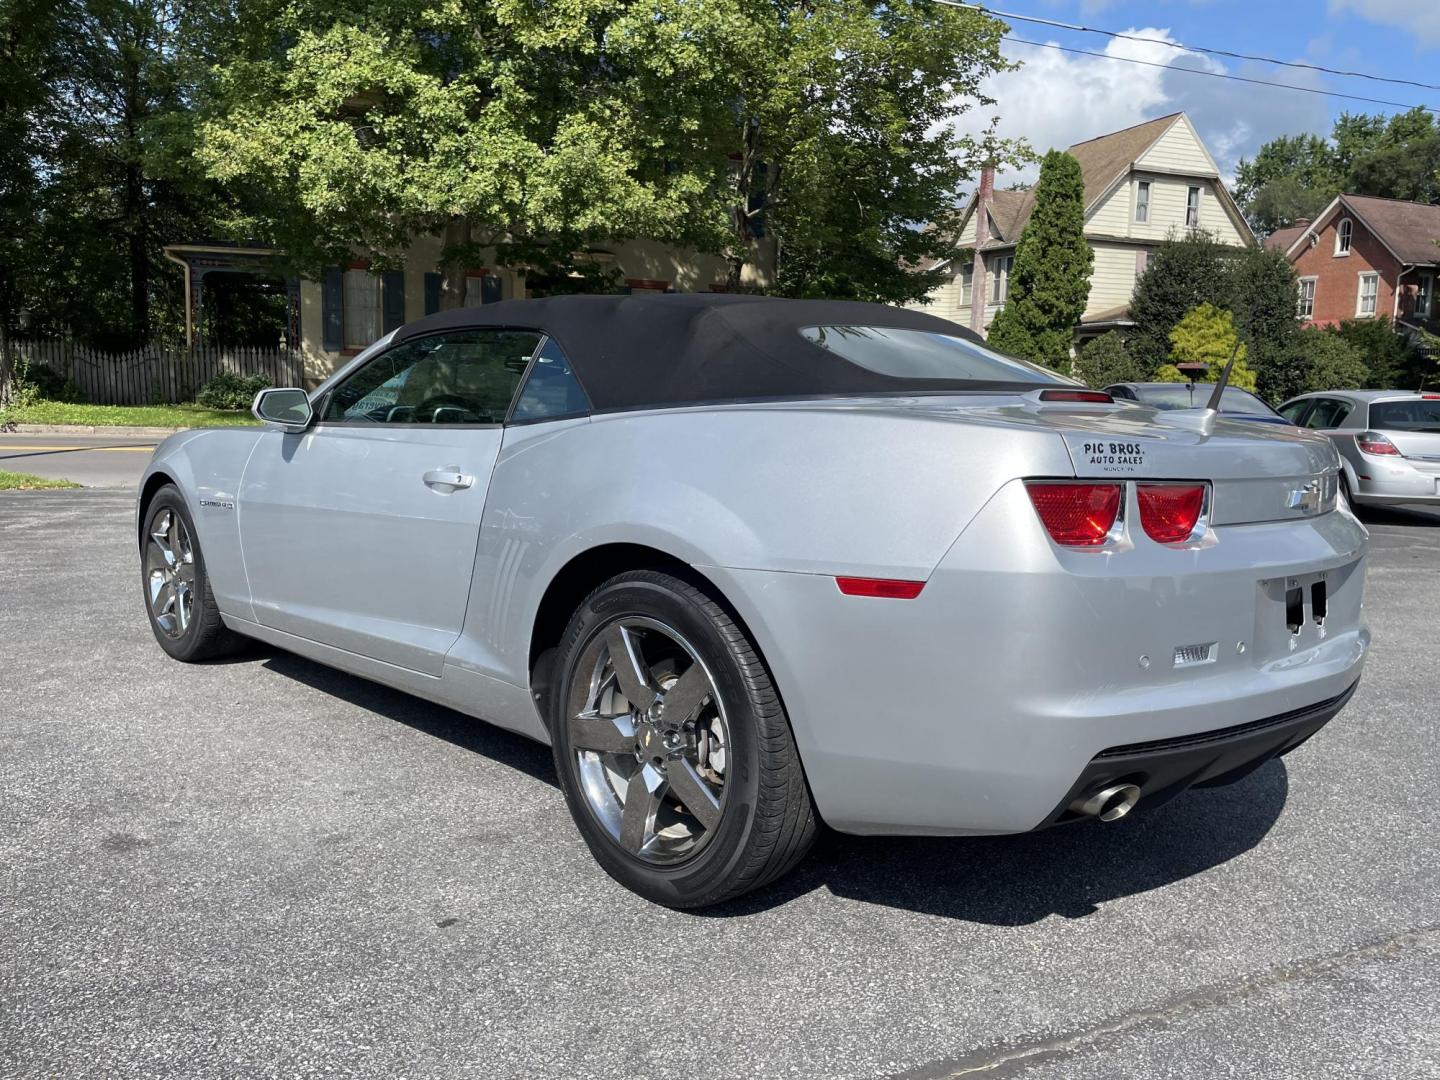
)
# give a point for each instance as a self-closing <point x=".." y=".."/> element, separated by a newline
<point x="287" y="409"/>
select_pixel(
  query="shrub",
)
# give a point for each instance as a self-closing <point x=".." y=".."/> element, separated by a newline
<point x="1207" y="336"/>
<point x="1331" y="362"/>
<point x="1107" y="360"/>
<point x="230" y="391"/>
<point x="46" y="384"/>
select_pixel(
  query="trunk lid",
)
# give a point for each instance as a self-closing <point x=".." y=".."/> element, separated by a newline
<point x="1257" y="472"/>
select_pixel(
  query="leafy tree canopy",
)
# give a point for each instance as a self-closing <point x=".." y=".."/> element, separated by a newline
<point x="1050" y="278"/>
<point x="536" y="129"/>
<point x="1295" y="176"/>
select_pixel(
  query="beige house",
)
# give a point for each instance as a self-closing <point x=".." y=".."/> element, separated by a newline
<point x="334" y="316"/>
<point x="1142" y="184"/>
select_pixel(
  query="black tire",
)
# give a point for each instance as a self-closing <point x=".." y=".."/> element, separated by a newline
<point x="204" y="636"/>
<point x="766" y="818"/>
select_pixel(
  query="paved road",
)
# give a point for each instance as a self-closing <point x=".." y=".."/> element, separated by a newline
<point x="105" y="461"/>
<point x="263" y="868"/>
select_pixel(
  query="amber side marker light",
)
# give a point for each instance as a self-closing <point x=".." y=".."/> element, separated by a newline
<point x="888" y="588"/>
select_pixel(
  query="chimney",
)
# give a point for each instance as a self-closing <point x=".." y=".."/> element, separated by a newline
<point x="984" y="196"/>
<point x="1302" y="223"/>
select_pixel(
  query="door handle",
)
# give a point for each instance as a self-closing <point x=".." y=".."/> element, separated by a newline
<point x="450" y="476"/>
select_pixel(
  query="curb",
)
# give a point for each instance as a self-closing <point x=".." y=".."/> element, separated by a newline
<point x="94" y="429"/>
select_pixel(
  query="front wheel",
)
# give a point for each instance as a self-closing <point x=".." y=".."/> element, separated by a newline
<point x="182" y="610"/>
<point x="672" y="746"/>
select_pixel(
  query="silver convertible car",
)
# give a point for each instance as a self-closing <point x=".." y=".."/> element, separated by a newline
<point x="750" y="565"/>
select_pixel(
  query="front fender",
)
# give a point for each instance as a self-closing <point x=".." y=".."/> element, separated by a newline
<point x="207" y="464"/>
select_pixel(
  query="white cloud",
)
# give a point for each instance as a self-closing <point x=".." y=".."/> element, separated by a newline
<point x="1420" y="19"/>
<point x="1056" y="98"/>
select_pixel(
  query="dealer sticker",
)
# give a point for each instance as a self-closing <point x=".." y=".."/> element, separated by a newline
<point x="1113" y="455"/>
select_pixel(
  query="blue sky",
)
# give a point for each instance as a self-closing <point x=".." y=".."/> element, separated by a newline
<point x="1058" y="98"/>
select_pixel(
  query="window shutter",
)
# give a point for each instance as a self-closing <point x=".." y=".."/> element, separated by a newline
<point x="392" y="297"/>
<point x="332" y="310"/>
<point x="432" y="293"/>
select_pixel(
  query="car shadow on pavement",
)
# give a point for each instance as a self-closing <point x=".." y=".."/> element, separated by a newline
<point x="463" y="731"/>
<point x="1399" y="515"/>
<point x="1018" y="880"/>
<point x="997" y="880"/>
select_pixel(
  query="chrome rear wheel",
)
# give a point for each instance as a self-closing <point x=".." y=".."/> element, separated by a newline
<point x="648" y="731"/>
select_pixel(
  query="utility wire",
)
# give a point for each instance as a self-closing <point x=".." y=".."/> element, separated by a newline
<point x="1211" y="74"/>
<point x="1193" y="48"/>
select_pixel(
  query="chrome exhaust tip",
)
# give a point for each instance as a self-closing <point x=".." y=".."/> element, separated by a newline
<point x="1108" y="803"/>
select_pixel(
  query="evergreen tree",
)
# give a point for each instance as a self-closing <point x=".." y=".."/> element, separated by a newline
<point x="1050" y="280"/>
<point x="1262" y="295"/>
<point x="1182" y="274"/>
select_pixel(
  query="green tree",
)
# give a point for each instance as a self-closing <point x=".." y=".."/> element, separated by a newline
<point x="1207" y="335"/>
<point x="1106" y="359"/>
<point x="1261" y="286"/>
<point x="1294" y="176"/>
<point x="536" y="129"/>
<point x="1331" y="363"/>
<point x="31" y="38"/>
<point x="1181" y="274"/>
<point x="1050" y="279"/>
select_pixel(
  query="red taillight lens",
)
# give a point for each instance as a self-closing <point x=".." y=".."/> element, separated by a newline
<point x="1170" y="512"/>
<point x="888" y="588"/>
<point x="1076" y="515"/>
<point x="1372" y="442"/>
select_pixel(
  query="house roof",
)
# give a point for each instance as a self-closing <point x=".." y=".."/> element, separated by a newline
<point x="1281" y="239"/>
<point x="1409" y="230"/>
<point x="1104" y="160"/>
<point x="1119" y="314"/>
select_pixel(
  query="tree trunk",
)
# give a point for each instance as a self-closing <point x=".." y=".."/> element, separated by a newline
<point x="139" y="256"/>
<point x="6" y="371"/>
<point x="452" y="269"/>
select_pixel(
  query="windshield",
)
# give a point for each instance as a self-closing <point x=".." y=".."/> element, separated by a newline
<point x="1417" y="414"/>
<point x="1197" y="396"/>
<point x="920" y="354"/>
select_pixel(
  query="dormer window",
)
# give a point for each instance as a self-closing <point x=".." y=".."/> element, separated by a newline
<point x="1342" y="236"/>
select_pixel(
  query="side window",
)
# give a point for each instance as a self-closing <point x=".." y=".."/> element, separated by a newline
<point x="1327" y="414"/>
<point x="1295" y="411"/>
<point x="552" y="390"/>
<point x="464" y="377"/>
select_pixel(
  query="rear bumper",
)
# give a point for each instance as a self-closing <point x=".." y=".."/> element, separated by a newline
<point x="1163" y="768"/>
<point x="1399" y="482"/>
<point x="974" y="708"/>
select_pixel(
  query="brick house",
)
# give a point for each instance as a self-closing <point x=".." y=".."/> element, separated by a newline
<point x="1362" y="257"/>
<point x="1142" y="185"/>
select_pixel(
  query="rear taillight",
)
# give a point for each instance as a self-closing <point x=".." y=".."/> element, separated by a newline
<point x="1372" y="442"/>
<point x="1076" y="515"/>
<point x="1169" y="513"/>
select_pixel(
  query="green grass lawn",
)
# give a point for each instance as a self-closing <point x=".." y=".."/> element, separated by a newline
<point x="19" y="481"/>
<point x="56" y="412"/>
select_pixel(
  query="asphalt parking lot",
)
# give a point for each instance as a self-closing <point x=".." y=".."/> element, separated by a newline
<point x="265" y="868"/>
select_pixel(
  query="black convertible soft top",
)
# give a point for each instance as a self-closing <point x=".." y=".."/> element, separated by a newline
<point x="656" y="350"/>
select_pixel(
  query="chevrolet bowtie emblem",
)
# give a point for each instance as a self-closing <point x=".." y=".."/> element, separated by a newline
<point x="1305" y="499"/>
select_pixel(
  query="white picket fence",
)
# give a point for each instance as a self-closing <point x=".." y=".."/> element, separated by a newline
<point x="156" y="374"/>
